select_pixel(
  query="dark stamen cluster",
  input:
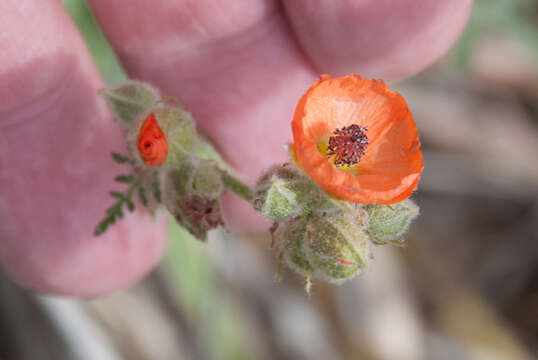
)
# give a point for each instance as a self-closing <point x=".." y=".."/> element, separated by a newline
<point x="348" y="145"/>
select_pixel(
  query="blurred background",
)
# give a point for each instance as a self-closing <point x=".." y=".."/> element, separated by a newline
<point x="464" y="287"/>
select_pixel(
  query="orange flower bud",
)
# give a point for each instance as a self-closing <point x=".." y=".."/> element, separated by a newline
<point x="152" y="143"/>
<point x="357" y="140"/>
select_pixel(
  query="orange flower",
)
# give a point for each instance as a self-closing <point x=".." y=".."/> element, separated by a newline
<point x="357" y="140"/>
<point x="152" y="144"/>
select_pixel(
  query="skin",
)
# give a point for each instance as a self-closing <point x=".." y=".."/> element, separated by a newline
<point x="239" y="67"/>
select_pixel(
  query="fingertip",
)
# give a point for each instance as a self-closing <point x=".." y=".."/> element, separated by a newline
<point x="377" y="38"/>
<point x="91" y="266"/>
<point x="55" y="164"/>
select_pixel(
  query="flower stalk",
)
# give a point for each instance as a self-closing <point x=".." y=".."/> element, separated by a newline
<point x="236" y="186"/>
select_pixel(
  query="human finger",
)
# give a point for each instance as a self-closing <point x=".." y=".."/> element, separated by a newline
<point x="55" y="165"/>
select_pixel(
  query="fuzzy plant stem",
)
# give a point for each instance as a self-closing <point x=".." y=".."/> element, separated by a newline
<point x="235" y="185"/>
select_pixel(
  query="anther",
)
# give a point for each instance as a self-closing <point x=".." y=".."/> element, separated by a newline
<point x="348" y="144"/>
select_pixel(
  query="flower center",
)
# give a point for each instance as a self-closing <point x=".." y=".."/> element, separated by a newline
<point x="348" y="145"/>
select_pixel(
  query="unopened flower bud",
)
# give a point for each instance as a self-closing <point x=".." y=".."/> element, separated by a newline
<point x="331" y="247"/>
<point x="292" y="238"/>
<point x="388" y="223"/>
<point x="129" y="100"/>
<point x="192" y="195"/>
<point x="176" y="183"/>
<point x="284" y="192"/>
<point x="199" y="214"/>
<point x="207" y="179"/>
<point x="278" y="202"/>
<point x="165" y="136"/>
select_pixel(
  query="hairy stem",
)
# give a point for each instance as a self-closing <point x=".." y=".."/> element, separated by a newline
<point x="233" y="184"/>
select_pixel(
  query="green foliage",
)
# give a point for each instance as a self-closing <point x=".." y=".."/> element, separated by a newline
<point x="125" y="178"/>
<point x="115" y="211"/>
<point x="121" y="159"/>
<point x="126" y="199"/>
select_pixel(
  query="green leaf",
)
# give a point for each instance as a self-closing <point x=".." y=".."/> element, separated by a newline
<point x="119" y="158"/>
<point x="130" y="205"/>
<point x="125" y="178"/>
<point x="101" y="227"/>
<point x="142" y="196"/>
<point x="115" y="211"/>
<point x="112" y="211"/>
<point x="118" y="195"/>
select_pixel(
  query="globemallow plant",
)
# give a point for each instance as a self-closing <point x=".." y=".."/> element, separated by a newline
<point x="353" y="164"/>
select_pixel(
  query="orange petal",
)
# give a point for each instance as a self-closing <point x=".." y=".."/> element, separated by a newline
<point x="390" y="169"/>
<point x="152" y="144"/>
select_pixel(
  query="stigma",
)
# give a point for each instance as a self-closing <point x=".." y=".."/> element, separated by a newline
<point x="347" y="145"/>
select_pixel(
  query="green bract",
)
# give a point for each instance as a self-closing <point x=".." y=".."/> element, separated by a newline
<point x="284" y="192"/>
<point x="130" y="100"/>
<point x="388" y="223"/>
